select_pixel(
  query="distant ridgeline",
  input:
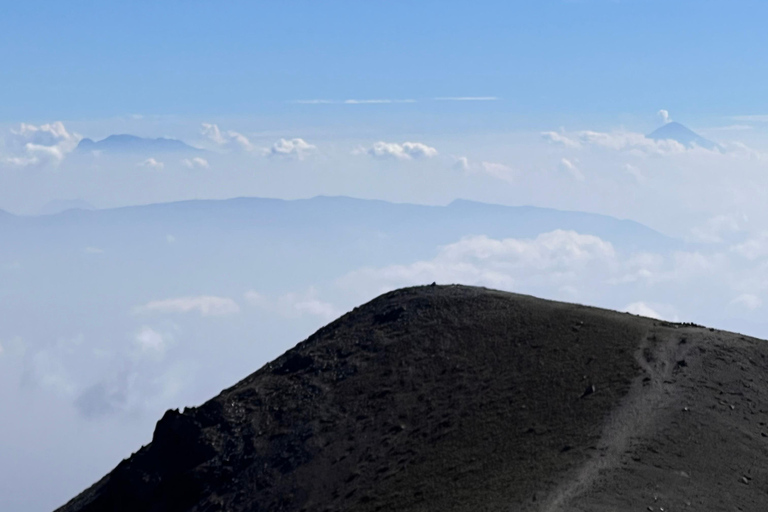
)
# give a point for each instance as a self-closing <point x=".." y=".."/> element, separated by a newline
<point x="134" y="144"/>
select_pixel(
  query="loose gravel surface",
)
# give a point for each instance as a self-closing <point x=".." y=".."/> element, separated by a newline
<point x="455" y="398"/>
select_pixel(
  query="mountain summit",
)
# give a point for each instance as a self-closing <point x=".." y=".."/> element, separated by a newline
<point x="682" y="134"/>
<point x="454" y="398"/>
<point x="132" y="144"/>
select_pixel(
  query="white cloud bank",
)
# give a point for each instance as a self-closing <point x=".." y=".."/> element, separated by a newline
<point x="557" y="258"/>
<point x="205" y="305"/>
<point x="567" y="265"/>
<point x="234" y="142"/>
<point x="291" y="148"/>
<point x="404" y="151"/>
<point x="39" y="145"/>
<point x="632" y="142"/>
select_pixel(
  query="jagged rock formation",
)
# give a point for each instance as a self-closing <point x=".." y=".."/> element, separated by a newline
<point x="452" y="398"/>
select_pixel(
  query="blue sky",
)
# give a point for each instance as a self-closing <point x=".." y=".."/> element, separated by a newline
<point x="306" y="98"/>
<point x="547" y="61"/>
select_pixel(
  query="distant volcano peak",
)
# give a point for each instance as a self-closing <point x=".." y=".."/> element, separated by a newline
<point x="124" y="143"/>
<point x="682" y="134"/>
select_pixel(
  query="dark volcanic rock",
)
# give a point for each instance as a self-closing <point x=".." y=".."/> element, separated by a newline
<point x="445" y="398"/>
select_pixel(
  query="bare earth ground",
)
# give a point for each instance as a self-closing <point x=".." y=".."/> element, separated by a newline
<point x="453" y="398"/>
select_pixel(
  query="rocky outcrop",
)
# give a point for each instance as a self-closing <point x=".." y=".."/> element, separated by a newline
<point x="452" y="398"/>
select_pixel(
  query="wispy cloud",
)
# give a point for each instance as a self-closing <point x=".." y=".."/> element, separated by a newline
<point x="228" y="140"/>
<point x="205" y="305"/>
<point x="367" y="102"/>
<point x="560" y="138"/>
<point x="374" y="101"/>
<point x="570" y="168"/>
<point x="642" y="309"/>
<point x="194" y="163"/>
<point x="149" y="341"/>
<point x="495" y="169"/>
<point x="379" y="101"/>
<point x="314" y="102"/>
<point x="748" y="301"/>
<point x="758" y="118"/>
<point x="732" y="128"/>
<point x="151" y="163"/>
<point x="635" y="172"/>
<point x="294" y="305"/>
<point x="467" y="98"/>
<point x="718" y="228"/>
<point x="461" y="163"/>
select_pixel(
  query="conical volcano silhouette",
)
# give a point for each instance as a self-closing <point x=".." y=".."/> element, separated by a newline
<point x="682" y="134"/>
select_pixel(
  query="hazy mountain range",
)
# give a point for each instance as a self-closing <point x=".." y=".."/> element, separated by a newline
<point x="113" y="316"/>
<point x="284" y="242"/>
<point x="124" y="143"/>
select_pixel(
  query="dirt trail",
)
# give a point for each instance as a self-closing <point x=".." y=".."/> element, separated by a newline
<point x="452" y="398"/>
<point x="651" y="393"/>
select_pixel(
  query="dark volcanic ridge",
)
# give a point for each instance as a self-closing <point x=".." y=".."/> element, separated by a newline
<point x="453" y="398"/>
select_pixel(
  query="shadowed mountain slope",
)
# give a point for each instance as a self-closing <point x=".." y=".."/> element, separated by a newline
<point x="453" y="398"/>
